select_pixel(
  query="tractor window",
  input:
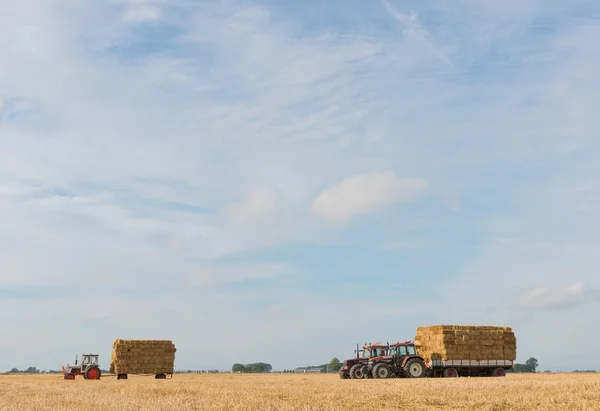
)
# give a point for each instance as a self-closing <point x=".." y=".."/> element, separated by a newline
<point x="411" y="350"/>
<point x="401" y="350"/>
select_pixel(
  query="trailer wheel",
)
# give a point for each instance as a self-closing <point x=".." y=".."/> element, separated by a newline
<point x="381" y="371"/>
<point x="160" y="376"/>
<point x="498" y="372"/>
<point x="122" y="377"/>
<point x="450" y="373"/>
<point x="414" y="368"/>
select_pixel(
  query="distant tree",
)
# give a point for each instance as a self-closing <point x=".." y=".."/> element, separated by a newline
<point x="335" y="364"/>
<point x="532" y="364"/>
<point x="237" y="367"/>
<point x="14" y="370"/>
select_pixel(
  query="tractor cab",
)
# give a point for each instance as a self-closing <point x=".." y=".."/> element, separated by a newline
<point x="402" y="349"/>
<point x="88" y="360"/>
<point x="375" y="350"/>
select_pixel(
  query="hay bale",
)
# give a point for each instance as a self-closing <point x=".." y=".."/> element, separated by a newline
<point x="143" y="357"/>
<point x="466" y="342"/>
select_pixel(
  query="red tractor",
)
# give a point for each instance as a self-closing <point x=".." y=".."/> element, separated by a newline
<point x="355" y="368"/>
<point x="88" y="368"/>
<point x="399" y="360"/>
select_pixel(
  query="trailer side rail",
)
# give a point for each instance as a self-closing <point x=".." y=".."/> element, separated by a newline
<point x="471" y="363"/>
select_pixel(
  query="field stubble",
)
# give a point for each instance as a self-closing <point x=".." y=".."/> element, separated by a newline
<point x="300" y="392"/>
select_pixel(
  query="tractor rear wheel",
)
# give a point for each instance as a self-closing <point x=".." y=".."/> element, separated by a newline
<point x="414" y="368"/>
<point x="381" y="370"/>
<point x="93" y="373"/>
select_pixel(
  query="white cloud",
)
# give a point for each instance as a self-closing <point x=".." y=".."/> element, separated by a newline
<point x="142" y="13"/>
<point x="363" y="194"/>
<point x="557" y="296"/>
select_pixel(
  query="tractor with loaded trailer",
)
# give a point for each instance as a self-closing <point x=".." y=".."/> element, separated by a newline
<point x="88" y="368"/>
<point x="354" y="368"/>
<point x="399" y="361"/>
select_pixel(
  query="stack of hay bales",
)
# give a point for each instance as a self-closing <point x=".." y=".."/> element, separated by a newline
<point x="466" y="342"/>
<point x="143" y="357"/>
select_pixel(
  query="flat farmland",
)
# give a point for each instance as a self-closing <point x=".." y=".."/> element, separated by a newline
<point x="300" y="392"/>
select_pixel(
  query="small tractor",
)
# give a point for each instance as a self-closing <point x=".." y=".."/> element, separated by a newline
<point x="88" y="368"/>
<point x="400" y="360"/>
<point x="355" y="368"/>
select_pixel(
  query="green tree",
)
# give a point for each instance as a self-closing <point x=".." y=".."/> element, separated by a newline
<point x="335" y="364"/>
<point x="238" y="368"/>
<point x="532" y="364"/>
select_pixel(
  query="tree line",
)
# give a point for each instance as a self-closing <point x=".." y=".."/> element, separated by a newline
<point x="259" y="367"/>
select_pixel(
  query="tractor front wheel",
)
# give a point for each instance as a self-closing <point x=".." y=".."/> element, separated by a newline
<point x="93" y="373"/>
<point x="344" y="374"/>
<point x="381" y="371"/>
<point x="356" y="372"/>
<point x="414" y="368"/>
<point x="69" y="376"/>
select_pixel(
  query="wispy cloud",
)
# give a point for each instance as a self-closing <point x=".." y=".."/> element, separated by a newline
<point x="558" y="296"/>
<point x="363" y="194"/>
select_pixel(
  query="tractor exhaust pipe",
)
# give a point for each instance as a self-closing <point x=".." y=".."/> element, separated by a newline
<point x="77" y="356"/>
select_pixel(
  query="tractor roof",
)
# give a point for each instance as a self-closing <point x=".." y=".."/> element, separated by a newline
<point x="401" y="343"/>
<point x="378" y="344"/>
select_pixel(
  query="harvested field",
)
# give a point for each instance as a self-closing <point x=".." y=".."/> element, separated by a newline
<point x="300" y="392"/>
<point x="465" y="342"/>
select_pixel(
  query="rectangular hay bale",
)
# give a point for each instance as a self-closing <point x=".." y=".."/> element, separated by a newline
<point x="465" y="342"/>
<point x="143" y="357"/>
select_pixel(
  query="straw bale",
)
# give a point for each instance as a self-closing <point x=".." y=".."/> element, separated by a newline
<point x="143" y="356"/>
<point x="466" y="342"/>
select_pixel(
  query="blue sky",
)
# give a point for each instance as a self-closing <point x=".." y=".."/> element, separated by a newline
<point x="244" y="176"/>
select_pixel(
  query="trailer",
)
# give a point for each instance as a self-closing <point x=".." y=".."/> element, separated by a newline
<point x="468" y="368"/>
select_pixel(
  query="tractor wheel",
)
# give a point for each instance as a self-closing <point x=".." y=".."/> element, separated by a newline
<point x="93" y="373"/>
<point x="356" y="372"/>
<point x="414" y="368"/>
<point x="344" y="374"/>
<point x="69" y="376"/>
<point x="450" y="373"/>
<point x="381" y="371"/>
<point x="498" y="372"/>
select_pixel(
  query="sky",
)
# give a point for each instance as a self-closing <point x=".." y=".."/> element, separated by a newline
<point x="278" y="181"/>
